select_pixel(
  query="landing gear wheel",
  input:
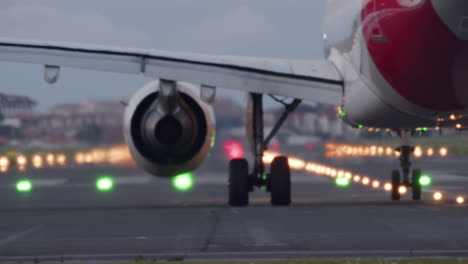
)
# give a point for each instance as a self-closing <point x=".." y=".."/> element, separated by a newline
<point x="416" y="185"/>
<point x="238" y="183"/>
<point x="396" y="179"/>
<point x="280" y="180"/>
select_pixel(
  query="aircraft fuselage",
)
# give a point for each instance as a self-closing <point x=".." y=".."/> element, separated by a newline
<point x="405" y="62"/>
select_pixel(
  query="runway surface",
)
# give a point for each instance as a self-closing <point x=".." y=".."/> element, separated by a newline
<point x="66" y="217"/>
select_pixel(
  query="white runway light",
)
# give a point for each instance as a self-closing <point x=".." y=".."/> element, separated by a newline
<point x="402" y="189"/>
<point x="375" y="184"/>
<point x="61" y="159"/>
<point x="348" y="175"/>
<point x="418" y="152"/>
<point x="342" y="176"/>
<point x="37" y="161"/>
<point x="50" y="158"/>
<point x="366" y="181"/>
<point x="388" y="187"/>
<point x="443" y="152"/>
<point x="438" y="196"/>
<point x="336" y="150"/>
<point x="4" y="162"/>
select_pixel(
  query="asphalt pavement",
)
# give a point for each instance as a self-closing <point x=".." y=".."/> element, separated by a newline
<point x="65" y="217"/>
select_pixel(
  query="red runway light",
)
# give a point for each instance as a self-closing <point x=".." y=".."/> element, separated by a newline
<point x="233" y="149"/>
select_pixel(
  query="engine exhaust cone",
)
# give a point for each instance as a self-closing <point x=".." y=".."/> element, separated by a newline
<point x="168" y="131"/>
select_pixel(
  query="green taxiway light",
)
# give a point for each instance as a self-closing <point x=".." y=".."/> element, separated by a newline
<point x="342" y="182"/>
<point x="341" y="113"/>
<point x="104" y="184"/>
<point x="183" y="182"/>
<point x="425" y="180"/>
<point x="24" y="186"/>
<point x="213" y="142"/>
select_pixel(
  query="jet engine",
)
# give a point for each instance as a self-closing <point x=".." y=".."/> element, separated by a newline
<point x="168" y="128"/>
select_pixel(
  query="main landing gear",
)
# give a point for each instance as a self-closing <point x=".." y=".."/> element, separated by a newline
<point x="407" y="178"/>
<point x="278" y="181"/>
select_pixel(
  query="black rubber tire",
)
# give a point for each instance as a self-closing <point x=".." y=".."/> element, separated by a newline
<point x="238" y="183"/>
<point x="280" y="180"/>
<point x="396" y="180"/>
<point x="416" y="185"/>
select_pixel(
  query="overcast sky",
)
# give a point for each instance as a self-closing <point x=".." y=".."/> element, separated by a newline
<point x="269" y="28"/>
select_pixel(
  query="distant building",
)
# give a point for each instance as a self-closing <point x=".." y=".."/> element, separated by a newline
<point x="88" y="107"/>
<point x="89" y="121"/>
<point x="13" y="105"/>
<point x="78" y="119"/>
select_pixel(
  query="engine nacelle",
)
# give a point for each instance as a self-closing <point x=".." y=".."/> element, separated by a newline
<point x="168" y="134"/>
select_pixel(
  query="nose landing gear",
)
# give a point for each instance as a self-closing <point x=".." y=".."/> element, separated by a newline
<point x="399" y="183"/>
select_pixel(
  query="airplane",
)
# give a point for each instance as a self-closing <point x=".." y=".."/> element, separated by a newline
<point x="399" y="65"/>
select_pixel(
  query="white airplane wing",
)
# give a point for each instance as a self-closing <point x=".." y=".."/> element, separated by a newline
<point x="316" y="80"/>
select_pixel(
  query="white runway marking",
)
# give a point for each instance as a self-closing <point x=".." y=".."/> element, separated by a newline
<point x="443" y="176"/>
<point x="19" y="235"/>
<point x="48" y="182"/>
